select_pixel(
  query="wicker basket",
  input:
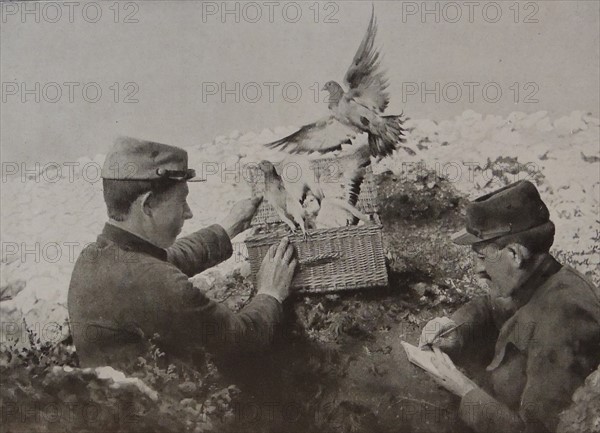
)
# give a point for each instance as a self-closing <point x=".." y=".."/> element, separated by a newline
<point x="332" y="259"/>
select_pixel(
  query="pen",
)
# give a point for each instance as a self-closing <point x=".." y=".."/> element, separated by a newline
<point x="446" y="332"/>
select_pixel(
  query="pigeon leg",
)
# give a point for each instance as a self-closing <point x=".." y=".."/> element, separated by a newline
<point x="288" y="222"/>
<point x="297" y="213"/>
<point x="305" y="234"/>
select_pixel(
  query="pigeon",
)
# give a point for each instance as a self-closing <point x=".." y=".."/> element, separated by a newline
<point x="288" y="208"/>
<point x="339" y="212"/>
<point x="335" y="212"/>
<point x="299" y="177"/>
<point x="312" y="207"/>
<point x="358" y="110"/>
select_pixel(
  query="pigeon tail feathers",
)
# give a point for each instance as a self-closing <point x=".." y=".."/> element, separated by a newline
<point x="390" y="133"/>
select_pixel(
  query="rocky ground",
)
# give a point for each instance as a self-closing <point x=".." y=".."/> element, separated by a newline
<point x="340" y="365"/>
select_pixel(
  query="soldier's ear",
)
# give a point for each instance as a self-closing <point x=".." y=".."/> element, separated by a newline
<point x="145" y="201"/>
<point x="519" y="254"/>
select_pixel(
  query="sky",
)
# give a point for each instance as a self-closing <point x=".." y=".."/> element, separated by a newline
<point x="183" y="72"/>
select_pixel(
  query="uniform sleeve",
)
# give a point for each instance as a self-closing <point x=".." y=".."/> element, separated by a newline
<point x="485" y="414"/>
<point x="201" y="250"/>
<point x="187" y="319"/>
<point x="479" y="410"/>
<point x="477" y="324"/>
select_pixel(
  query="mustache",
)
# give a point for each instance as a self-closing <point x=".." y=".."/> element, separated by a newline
<point x="484" y="275"/>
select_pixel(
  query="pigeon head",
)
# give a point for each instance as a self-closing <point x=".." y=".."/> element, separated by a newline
<point x="311" y="204"/>
<point x="335" y="92"/>
<point x="268" y="169"/>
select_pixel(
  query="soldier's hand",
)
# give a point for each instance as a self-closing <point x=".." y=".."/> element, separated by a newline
<point x="449" y="376"/>
<point x="240" y="216"/>
<point x="430" y="336"/>
<point x="277" y="270"/>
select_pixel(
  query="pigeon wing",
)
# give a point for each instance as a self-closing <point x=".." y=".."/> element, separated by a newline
<point x="325" y="135"/>
<point x="366" y="83"/>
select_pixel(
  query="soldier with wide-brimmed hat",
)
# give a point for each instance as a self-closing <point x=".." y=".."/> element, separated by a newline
<point x="540" y="323"/>
<point x="131" y="287"/>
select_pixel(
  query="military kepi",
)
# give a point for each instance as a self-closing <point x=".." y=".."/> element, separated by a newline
<point x="513" y="209"/>
<point x="133" y="159"/>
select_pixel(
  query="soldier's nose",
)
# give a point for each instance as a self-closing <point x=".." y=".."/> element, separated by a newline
<point x="478" y="262"/>
<point x="187" y="214"/>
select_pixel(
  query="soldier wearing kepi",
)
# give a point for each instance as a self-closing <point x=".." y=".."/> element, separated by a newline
<point x="132" y="283"/>
<point x="541" y="320"/>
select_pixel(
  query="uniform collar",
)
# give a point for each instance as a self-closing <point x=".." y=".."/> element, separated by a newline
<point x="548" y="267"/>
<point x="131" y="242"/>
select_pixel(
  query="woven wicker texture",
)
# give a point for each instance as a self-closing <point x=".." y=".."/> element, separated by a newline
<point x="331" y="181"/>
<point x="331" y="259"/>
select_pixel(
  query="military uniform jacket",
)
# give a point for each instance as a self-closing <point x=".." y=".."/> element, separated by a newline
<point x="547" y="340"/>
<point x="126" y="292"/>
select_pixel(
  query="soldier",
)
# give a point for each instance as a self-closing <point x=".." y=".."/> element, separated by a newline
<point x="132" y="286"/>
<point x="541" y="320"/>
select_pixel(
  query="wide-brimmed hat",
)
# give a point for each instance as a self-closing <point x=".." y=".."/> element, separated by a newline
<point x="513" y="209"/>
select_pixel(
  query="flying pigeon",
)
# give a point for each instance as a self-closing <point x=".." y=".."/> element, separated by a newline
<point x="358" y="110"/>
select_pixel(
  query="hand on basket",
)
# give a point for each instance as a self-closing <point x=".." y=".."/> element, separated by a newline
<point x="240" y="216"/>
<point x="277" y="270"/>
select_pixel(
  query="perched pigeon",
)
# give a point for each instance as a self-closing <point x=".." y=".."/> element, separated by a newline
<point x="312" y="207"/>
<point x="358" y="110"/>
<point x="335" y="212"/>
<point x="299" y="177"/>
<point x="338" y="207"/>
<point x="288" y="208"/>
<point x="301" y="200"/>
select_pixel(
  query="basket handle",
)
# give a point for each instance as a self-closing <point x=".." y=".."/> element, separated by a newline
<point x="320" y="259"/>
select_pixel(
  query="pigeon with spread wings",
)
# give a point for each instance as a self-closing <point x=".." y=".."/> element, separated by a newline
<point x="358" y="110"/>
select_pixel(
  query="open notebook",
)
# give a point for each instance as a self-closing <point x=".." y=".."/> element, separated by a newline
<point x="421" y="358"/>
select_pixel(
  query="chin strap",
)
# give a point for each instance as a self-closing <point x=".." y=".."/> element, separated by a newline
<point x="176" y="174"/>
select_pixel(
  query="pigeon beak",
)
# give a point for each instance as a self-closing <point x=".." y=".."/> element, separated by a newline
<point x="324" y="88"/>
